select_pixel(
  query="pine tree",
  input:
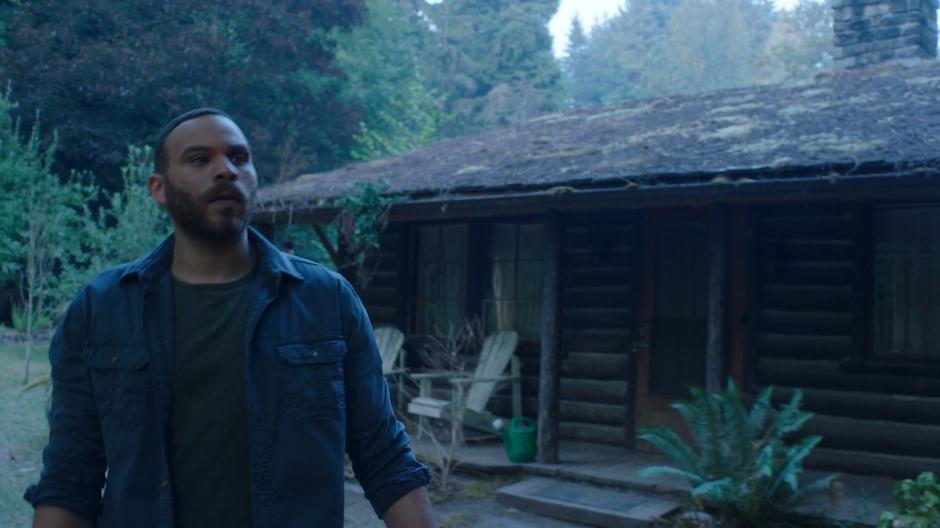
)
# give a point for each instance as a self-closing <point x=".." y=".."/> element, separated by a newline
<point x="492" y="61"/>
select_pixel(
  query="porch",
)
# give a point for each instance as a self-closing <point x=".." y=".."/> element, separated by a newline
<point x="859" y="501"/>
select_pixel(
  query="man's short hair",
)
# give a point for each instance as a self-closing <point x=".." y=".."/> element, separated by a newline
<point x="160" y="158"/>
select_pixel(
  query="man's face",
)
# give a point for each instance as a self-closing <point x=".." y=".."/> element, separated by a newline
<point x="210" y="182"/>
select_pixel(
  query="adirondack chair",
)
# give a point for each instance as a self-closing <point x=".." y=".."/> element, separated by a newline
<point x="473" y="391"/>
<point x="391" y="347"/>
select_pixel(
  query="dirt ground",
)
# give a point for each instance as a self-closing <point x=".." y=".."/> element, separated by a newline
<point x="473" y="504"/>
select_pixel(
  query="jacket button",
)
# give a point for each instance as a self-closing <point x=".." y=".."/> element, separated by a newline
<point x="114" y="359"/>
<point x="165" y="483"/>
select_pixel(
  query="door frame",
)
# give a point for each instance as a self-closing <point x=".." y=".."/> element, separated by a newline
<point x="643" y="403"/>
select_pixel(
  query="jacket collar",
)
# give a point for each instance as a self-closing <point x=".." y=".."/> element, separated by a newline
<point x="157" y="262"/>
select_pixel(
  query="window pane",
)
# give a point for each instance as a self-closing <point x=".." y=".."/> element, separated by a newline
<point x="442" y="272"/>
<point x="503" y="242"/>
<point x="907" y="291"/>
<point x="531" y="241"/>
<point x="514" y="286"/>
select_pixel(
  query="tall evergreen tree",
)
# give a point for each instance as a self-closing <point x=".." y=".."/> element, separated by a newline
<point x="384" y="80"/>
<point x="492" y="61"/>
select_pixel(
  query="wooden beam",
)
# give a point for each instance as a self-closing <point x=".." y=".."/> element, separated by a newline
<point x="738" y="295"/>
<point x="717" y="296"/>
<point x="550" y="360"/>
<point x="327" y="245"/>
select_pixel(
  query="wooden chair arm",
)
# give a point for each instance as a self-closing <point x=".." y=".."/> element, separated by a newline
<point x="431" y="375"/>
<point x="479" y="380"/>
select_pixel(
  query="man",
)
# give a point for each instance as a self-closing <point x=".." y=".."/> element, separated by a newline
<point x="217" y="381"/>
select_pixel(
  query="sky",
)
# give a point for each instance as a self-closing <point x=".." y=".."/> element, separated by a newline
<point x="591" y="12"/>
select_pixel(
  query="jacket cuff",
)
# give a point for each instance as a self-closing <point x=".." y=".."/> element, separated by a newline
<point x="383" y="498"/>
<point x="45" y="495"/>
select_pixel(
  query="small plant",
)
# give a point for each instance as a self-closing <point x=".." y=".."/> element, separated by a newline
<point x="918" y="504"/>
<point x="447" y="352"/>
<point x="740" y="464"/>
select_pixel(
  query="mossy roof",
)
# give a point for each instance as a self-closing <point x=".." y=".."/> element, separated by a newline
<point x="888" y="117"/>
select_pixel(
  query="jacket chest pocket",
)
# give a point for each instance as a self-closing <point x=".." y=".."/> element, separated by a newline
<point x="311" y="380"/>
<point x="120" y="382"/>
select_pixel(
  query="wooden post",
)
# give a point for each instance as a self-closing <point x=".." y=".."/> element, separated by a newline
<point x="717" y="293"/>
<point x="550" y="359"/>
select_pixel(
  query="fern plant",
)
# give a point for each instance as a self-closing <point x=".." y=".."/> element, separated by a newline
<point x="740" y="461"/>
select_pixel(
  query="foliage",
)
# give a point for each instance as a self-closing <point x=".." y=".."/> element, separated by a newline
<point x="127" y="225"/>
<point x="40" y="215"/>
<point x="362" y="218"/>
<point x="919" y="504"/>
<point x="492" y="61"/>
<point x="664" y="47"/>
<point x="113" y="72"/>
<point x="384" y="80"/>
<point x="739" y="460"/>
<point x="800" y="44"/>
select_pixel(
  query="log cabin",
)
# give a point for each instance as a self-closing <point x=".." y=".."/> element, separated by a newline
<point x="777" y="235"/>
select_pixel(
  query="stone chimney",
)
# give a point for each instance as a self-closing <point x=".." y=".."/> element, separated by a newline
<point x="875" y="31"/>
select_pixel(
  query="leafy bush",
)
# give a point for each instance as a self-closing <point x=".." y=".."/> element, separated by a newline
<point x="740" y="462"/>
<point x="918" y="501"/>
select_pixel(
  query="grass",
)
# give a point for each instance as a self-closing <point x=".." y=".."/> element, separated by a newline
<point x="23" y="431"/>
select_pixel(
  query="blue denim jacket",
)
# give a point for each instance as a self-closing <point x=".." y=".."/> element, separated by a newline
<point x="315" y="391"/>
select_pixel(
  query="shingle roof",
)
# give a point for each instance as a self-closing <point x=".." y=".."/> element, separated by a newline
<point x="888" y="117"/>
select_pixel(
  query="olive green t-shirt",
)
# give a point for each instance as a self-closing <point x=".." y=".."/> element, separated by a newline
<point x="208" y="436"/>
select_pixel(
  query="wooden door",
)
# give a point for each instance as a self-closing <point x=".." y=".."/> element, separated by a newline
<point x="673" y="314"/>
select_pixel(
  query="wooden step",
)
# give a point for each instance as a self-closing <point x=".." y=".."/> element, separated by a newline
<point x="586" y="504"/>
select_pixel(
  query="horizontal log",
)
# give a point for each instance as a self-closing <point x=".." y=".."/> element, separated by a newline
<point x="810" y="298"/>
<point x="586" y="432"/>
<point x="382" y="315"/>
<point x="828" y="375"/>
<point x="598" y="259"/>
<point x="596" y="230"/>
<point x="597" y="341"/>
<point x="587" y="366"/>
<point x="862" y="463"/>
<point x="598" y="296"/>
<point x="877" y="436"/>
<point x="585" y="390"/>
<point x="384" y="279"/>
<point x="804" y="346"/>
<point x="374" y="296"/>
<point x="806" y="322"/>
<point x="595" y="413"/>
<point x="596" y="366"/>
<point x="836" y="273"/>
<point x="597" y="276"/>
<point x="599" y="318"/>
<point x="827" y="226"/>
<point x="810" y="250"/>
<point x="866" y="405"/>
<point x="575" y="246"/>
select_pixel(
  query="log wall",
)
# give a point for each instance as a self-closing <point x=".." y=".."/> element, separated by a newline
<point x="811" y="309"/>
<point x="383" y="295"/>
<point x="598" y="307"/>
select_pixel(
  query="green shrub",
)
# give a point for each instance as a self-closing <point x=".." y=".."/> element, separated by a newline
<point x="740" y="461"/>
<point x="918" y="501"/>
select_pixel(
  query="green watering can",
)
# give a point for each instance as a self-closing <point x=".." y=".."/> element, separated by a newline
<point x="518" y="438"/>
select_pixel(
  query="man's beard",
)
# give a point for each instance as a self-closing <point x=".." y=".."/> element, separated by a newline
<point x="190" y="213"/>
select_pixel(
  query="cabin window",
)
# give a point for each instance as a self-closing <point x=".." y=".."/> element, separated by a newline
<point x="907" y="283"/>
<point x="513" y="297"/>
<point x="442" y="276"/>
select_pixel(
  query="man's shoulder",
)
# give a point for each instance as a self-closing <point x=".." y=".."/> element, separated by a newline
<point x="107" y="279"/>
<point x="312" y="270"/>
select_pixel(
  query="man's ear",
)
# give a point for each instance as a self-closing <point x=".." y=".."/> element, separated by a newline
<point x="157" y="188"/>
